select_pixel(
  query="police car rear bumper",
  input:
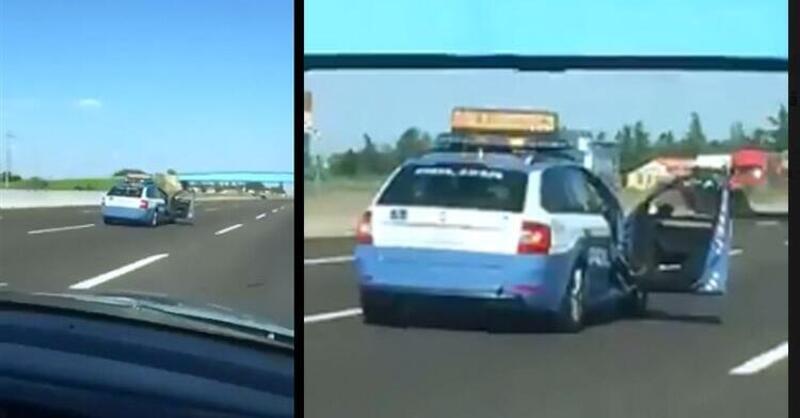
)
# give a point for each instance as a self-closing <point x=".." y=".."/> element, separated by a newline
<point x="126" y="214"/>
<point x="456" y="279"/>
<point x="451" y="310"/>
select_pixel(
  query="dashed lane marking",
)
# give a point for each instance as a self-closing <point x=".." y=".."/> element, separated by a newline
<point x="228" y="229"/>
<point x="261" y="216"/>
<point x="327" y="260"/>
<point x="59" y="229"/>
<point x="762" y="361"/>
<point x="330" y="316"/>
<point x="767" y="223"/>
<point x="113" y="274"/>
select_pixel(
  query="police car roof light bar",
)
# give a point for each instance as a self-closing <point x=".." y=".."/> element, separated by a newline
<point x="532" y="149"/>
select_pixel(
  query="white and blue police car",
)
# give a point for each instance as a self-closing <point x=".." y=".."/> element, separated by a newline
<point x="514" y="231"/>
<point x="139" y="200"/>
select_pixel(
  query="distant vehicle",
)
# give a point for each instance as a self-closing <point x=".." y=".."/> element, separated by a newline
<point x="143" y="199"/>
<point x="505" y="226"/>
<point x="753" y="167"/>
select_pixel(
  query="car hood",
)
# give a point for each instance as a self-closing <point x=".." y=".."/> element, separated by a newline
<point x="165" y="309"/>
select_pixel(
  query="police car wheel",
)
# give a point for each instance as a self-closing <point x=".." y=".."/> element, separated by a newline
<point x="571" y="315"/>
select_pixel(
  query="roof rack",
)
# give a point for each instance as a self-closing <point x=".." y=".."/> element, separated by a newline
<point x="531" y="149"/>
<point x="135" y="179"/>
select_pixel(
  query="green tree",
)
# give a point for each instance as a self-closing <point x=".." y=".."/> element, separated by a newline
<point x="11" y="176"/>
<point x="126" y="171"/>
<point x="641" y="141"/>
<point x="344" y="164"/>
<point x="368" y="158"/>
<point x="737" y="135"/>
<point x="665" y="144"/>
<point x="627" y="148"/>
<point x="411" y="144"/>
<point x="695" y="140"/>
<point x="307" y="169"/>
<point x="779" y="133"/>
<point x="760" y="137"/>
<point x="37" y="183"/>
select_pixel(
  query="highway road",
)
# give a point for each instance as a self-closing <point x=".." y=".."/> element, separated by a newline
<point x="690" y="357"/>
<point x="238" y="254"/>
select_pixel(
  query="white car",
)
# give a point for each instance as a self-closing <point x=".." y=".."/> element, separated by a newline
<point x="143" y="203"/>
<point x="500" y="233"/>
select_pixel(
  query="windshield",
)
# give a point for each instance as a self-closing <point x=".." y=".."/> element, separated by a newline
<point x="455" y="186"/>
<point x="124" y="191"/>
<point x="146" y="151"/>
<point x="434" y="311"/>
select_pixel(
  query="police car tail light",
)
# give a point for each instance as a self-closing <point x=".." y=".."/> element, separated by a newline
<point x="535" y="239"/>
<point x="364" y="229"/>
<point x="143" y="204"/>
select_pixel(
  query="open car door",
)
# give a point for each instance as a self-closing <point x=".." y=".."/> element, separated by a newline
<point x="678" y="240"/>
<point x="182" y="204"/>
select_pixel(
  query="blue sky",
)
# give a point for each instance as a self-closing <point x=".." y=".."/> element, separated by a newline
<point x="91" y="86"/>
<point x="384" y="103"/>
<point x="572" y="27"/>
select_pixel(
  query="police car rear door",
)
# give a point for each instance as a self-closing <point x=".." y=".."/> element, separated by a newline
<point x="679" y="239"/>
<point x="451" y="206"/>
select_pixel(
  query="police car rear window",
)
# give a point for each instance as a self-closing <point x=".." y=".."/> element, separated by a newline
<point x="123" y="191"/>
<point x="457" y="186"/>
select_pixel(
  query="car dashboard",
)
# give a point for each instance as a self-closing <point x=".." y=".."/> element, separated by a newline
<point x="59" y="363"/>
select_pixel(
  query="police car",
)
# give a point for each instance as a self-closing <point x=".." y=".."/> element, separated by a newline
<point x="139" y="200"/>
<point x="524" y="233"/>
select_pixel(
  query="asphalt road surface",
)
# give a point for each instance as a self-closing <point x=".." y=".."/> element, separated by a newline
<point x="690" y="357"/>
<point x="249" y="268"/>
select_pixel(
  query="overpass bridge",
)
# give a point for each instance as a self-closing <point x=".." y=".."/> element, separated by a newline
<point x="239" y="178"/>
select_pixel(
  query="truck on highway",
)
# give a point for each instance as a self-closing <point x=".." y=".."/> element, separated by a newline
<point x="754" y="167"/>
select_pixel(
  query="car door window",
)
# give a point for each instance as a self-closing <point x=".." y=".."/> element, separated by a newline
<point x="595" y="200"/>
<point x="577" y="186"/>
<point x="563" y="191"/>
<point x="152" y="193"/>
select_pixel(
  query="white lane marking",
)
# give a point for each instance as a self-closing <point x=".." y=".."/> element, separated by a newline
<point x="766" y="223"/>
<point x="329" y="316"/>
<point x="63" y="228"/>
<point x="113" y="274"/>
<point x="275" y="210"/>
<point x="328" y="260"/>
<point x="3" y="284"/>
<point x="228" y="229"/>
<point x="211" y="209"/>
<point x="261" y="216"/>
<point x="90" y="211"/>
<point x="762" y="361"/>
<point x="735" y="251"/>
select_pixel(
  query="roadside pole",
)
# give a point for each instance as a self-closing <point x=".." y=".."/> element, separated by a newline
<point x="5" y="156"/>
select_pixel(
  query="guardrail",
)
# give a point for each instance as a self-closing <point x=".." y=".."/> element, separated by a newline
<point x="18" y="199"/>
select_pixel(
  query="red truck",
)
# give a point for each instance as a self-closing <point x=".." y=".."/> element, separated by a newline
<point x="752" y="167"/>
